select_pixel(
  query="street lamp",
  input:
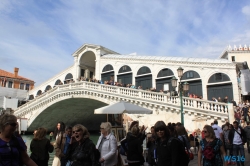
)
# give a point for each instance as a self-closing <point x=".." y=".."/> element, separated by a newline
<point x="182" y="87"/>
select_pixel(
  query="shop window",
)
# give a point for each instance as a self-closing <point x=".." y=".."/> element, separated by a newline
<point x="27" y="87"/>
<point x="22" y="86"/>
<point x="10" y="84"/>
<point x="190" y="74"/>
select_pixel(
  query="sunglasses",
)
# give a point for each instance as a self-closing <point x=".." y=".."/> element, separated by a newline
<point x="76" y="131"/>
<point x="157" y="130"/>
<point x="12" y="124"/>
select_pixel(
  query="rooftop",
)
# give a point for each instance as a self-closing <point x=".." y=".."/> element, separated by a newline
<point x="7" y="74"/>
<point x="165" y="58"/>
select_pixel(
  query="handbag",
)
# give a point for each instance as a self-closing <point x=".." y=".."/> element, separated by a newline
<point x="188" y="151"/>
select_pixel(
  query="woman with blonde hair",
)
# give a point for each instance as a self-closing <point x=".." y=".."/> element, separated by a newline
<point x="13" y="150"/>
<point x="81" y="150"/>
<point x="210" y="149"/>
<point x="107" y="145"/>
<point x="40" y="148"/>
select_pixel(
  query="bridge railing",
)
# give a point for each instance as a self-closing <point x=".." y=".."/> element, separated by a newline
<point x="135" y="94"/>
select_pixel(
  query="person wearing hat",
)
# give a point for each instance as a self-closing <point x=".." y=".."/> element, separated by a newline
<point x="217" y="130"/>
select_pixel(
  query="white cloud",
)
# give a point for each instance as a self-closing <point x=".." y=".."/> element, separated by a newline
<point x="246" y="10"/>
<point x="39" y="36"/>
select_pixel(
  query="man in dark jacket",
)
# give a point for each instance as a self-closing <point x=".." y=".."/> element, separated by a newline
<point x="236" y="138"/>
<point x="247" y="130"/>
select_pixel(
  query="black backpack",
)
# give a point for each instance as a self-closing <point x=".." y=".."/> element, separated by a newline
<point x="182" y="155"/>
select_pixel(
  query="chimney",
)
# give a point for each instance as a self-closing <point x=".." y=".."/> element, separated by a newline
<point x="16" y="71"/>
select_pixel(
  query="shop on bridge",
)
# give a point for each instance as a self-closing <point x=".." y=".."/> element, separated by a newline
<point x="144" y="78"/>
<point x="125" y="75"/>
<point x="108" y="73"/>
<point x="194" y="81"/>
<point x="219" y="85"/>
<point x="163" y="80"/>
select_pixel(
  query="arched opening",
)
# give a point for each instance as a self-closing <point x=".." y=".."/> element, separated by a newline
<point x="144" y="78"/>
<point x="163" y="80"/>
<point x="195" y="83"/>
<point x="219" y="85"/>
<point x="31" y="97"/>
<point x="125" y="75"/>
<point x="39" y="93"/>
<point x="87" y="65"/>
<point x="58" y="82"/>
<point x="108" y="73"/>
<point x="68" y="78"/>
<point x="81" y="112"/>
<point x="48" y="87"/>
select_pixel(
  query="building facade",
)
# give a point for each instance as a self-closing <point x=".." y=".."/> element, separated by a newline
<point x="207" y="77"/>
<point x="13" y="88"/>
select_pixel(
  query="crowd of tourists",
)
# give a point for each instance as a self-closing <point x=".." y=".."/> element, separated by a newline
<point x="168" y="144"/>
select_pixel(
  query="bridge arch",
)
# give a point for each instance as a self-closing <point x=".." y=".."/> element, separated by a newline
<point x="144" y="78"/>
<point x="58" y="82"/>
<point x="68" y="78"/>
<point x="48" y="87"/>
<point x="108" y="73"/>
<point x="77" y="110"/>
<point x="125" y="75"/>
<point x="195" y="83"/>
<point x="219" y="86"/>
<point x="87" y="64"/>
<point x="39" y="92"/>
<point x="163" y="80"/>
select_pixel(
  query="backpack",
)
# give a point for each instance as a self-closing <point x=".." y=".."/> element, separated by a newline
<point x="182" y="155"/>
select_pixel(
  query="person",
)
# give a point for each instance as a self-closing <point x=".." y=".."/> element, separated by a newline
<point x="236" y="138"/>
<point x="107" y="145"/>
<point x="169" y="150"/>
<point x="62" y="144"/>
<point x="243" y="123"/>
<point x="151" y="145"/>
<point x="237" y="115"/>
<point x="40" y="148"/>
<point x="50" y="136"/>
<point x="134" y="148"/>
<point x="245" y="111"/>
<point x="13" y="150"/>
<point x="182" y="135"/>
<point x="81" y="150"/>
<point x="141" y="134"/>
<point x="217" y="130"/>
<point x="247" y="130"/>
<point x="227" y="145"/>
<point x="59" y="131"/>
<point x="195" y="139"/>
<point x="210" y="145"/>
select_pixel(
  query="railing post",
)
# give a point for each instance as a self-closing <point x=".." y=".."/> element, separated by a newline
<point x="140" y="94"/>
<point x="118" y="90"/>
<point x="230" y="112"/>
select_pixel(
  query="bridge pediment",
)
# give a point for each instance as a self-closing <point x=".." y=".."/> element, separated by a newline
<point x="94" y="48"/>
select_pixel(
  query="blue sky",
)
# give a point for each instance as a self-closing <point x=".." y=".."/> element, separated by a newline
<point x="39" y="36"/>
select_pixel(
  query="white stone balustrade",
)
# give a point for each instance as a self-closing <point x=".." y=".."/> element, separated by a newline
<point x="109" y="94"/>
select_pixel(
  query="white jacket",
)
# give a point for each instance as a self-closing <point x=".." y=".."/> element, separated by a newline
<point x="109" y="150"/>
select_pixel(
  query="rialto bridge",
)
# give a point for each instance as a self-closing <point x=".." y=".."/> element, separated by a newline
<point x="67" y="98"/>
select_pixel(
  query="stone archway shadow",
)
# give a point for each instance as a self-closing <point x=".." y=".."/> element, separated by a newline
<point x="70" y="111"/>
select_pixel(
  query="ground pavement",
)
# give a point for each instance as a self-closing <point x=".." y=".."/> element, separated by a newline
<point x="247" y="162"/>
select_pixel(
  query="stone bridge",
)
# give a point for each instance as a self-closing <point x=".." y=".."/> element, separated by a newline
<point x="58" y="104"/>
